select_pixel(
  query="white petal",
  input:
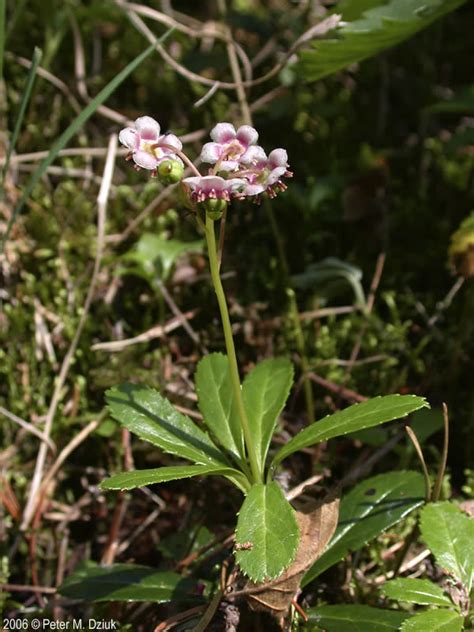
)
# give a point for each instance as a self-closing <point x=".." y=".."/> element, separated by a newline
<point x="254" y="189"/>
<point x="253" y="156"/>
<point x="211" y="153"/>
<point x="223" y="132"/>
<point x="129" y="138"/>
<point x="275" y="175"/>
<point x="192" y="182"/>
<point x="247" y="135"/>
<point x="278" y="158"/>
<point x="228" y="165"/>
<point x="171" y="139"/>
<point x="145" y="160"/>
<point x="147" y="127"/>
<point x="213" y="182"/>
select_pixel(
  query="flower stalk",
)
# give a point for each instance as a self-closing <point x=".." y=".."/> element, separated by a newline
<point x="230" y="347"/>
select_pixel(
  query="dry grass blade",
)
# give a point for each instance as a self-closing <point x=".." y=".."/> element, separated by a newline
<point x="444" y="456"/>
<point x="115" y="346"/>
<point x="33" y="498"/>
<point x="28" y="427"/>
<point x="419" y="451"/>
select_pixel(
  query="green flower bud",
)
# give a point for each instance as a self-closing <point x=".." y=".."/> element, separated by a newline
<point x="170" y="171"/>
<point x="214" y="207"/>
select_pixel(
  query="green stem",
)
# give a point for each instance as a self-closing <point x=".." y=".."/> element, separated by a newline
<point x="229" y="343"/>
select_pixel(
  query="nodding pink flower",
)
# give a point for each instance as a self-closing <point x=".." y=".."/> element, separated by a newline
<point x="214" y="188"/>
<point x="264" y="174"/>
<point x="147" y="147"/>
<point x="229" y="147"/>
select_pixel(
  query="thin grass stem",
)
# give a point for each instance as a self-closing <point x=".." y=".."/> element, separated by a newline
<point x="25" y="99"/>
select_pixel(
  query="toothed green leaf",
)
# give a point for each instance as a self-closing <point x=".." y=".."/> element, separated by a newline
<point x="152" y="417"/>
<point x="217" y="404"/>
<point x="420" y="591"/>
<point x="371" y="413"/>
<point x="267" y="526"/>
<point x="265" y="391"/>
<point x="449" y="533"/>
<point x="141" y="478"/>
<point x="368" y="31"/>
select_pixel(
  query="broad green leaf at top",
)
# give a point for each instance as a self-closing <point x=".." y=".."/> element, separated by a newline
<point x="373" y="412"/>
<point x="368" y="510"/>
<point x="420" y="591"/>
<point x="368" y="28"/>
<point x="439" y="620"/>
<point x="267" y="527"/>
<point x="265" y="391"/>
<point x="449" y="534"/>
<point x="217" y="404"/>
<point x="152" y="417"/>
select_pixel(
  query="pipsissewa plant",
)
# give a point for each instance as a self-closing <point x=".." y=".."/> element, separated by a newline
<point x="239" y="419"/>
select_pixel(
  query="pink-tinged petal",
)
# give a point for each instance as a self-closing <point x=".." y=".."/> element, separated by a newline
<point x="247" y="135"/>
<point x="278" y="158"/>
<point x="223" y="132"/>
<point x="172" y="140"/>
<point x="275" y="175"/>
<point x="212" y="182"/>
<point x="129" y="138"/>
<point x="145" y="160"/>
<point x="254" y="156"/>
<point x="254" y="189"/>
<point x="228" y="165"/>
<point x="148" y="128"/>
<point x="211" y="152"/>
<point x="192" y="182"/>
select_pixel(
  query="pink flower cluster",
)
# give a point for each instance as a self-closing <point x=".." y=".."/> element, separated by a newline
<point x="147" y="147"/>
<point x="244" y="167"/>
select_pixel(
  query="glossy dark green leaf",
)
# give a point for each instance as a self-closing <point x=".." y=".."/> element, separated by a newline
<point x="217" y="404"/>
<point x="377" y="28"/>
<point x="267" y="527"/>
<point x="150" y="416"/>
<point x="438" y="620"/>
<point x="141" y="478"/>
<point x="369" y="509"/>
<point x="265" y="391"/>
<point x="449" y="533"/>
<point x="373" y="412"/>
<point x="128" y="582"/>
<point x="349" y="618"/>
<point x="419" y="591"/>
